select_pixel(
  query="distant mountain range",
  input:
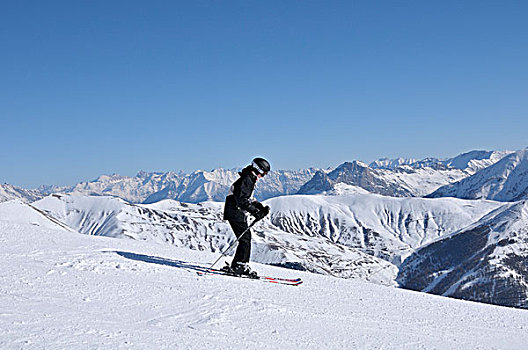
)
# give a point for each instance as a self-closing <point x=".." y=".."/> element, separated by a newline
<point x="199" y="186"/>
<point x="403" y="177"/>
<point x="403" y="181"/>
<point x="465" y="176"/>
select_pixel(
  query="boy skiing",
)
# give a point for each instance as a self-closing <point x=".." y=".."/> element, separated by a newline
<point x="238" y="203"/>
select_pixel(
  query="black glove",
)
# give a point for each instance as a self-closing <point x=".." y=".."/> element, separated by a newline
<point x="259" y="215"/>
<point x="259" y="205"/>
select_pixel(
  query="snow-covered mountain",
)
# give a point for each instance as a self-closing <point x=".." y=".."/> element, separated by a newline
<point x="10" y="192"/>
<point x="384" y="227"/>
<point x="391" y="164"/>
<point x="65" y="290"/>
<point x="403" y="181"/>
<point x="402" y="177"/>
<point x="203" y="186"/>
<point x="470" y="162"/>
<point x="114" y="217"/>
<point x="199" y="186"/>
<point x="505" y="180"/>
<point x="475" y="161"/>
<point x="485" y="262"/>
<point x="472" y="249"/>
<point x="443" y="243"/>
<point x="132" y="189"/>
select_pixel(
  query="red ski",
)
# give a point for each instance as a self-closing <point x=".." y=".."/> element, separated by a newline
<point x="269" y="279"/>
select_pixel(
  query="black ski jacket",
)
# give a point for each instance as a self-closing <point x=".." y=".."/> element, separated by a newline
<point x="239" y="200"/>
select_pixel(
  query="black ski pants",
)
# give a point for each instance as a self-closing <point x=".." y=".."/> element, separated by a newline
<point x="244" y="243"/>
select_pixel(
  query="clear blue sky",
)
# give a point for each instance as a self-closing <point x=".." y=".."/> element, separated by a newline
<point x="93" y="87"/>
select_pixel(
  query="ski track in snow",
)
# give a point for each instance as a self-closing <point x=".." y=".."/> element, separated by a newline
<point x="63" y="290"/>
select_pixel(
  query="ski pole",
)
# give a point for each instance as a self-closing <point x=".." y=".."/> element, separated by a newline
<point x="232" y="244"/>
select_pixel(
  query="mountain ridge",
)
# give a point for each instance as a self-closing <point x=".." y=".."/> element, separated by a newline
<point x="486" y="262"/>
<point x="506" y="180"/>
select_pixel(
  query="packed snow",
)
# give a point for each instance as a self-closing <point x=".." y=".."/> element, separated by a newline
<point x="60" y="289"/>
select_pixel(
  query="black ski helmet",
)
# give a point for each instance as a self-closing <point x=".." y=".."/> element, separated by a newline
<point x="262" y="165"/>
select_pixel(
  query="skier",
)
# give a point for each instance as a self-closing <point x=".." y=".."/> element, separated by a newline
<point x="238" y="203"/>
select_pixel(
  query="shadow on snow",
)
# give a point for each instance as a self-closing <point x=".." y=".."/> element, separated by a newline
<point x="163" y="261"/>
<point x="200" y="269"/>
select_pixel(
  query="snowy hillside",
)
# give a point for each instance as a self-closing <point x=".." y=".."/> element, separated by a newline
<point x="385" y="227"/>
<point x="359" y="235"/>
<point x="506" y="180"/>
<point x="18" y="212"/>
<point x="10" y="192"/>
<point x="65" y="290"/>
<point x="200" y="227"/>
<point x="113" y="217"/>
<point x="487" y="262"/>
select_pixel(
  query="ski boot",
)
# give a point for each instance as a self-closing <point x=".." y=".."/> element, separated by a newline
<point x="244" y="270"/>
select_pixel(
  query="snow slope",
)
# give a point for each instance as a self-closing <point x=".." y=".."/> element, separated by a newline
<point x="486" y="261"/>
<point x="17" y="212"/>
<point x="385" y="227"/>
<point x="10" y="192"/>
<point x="64" y="290"/>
